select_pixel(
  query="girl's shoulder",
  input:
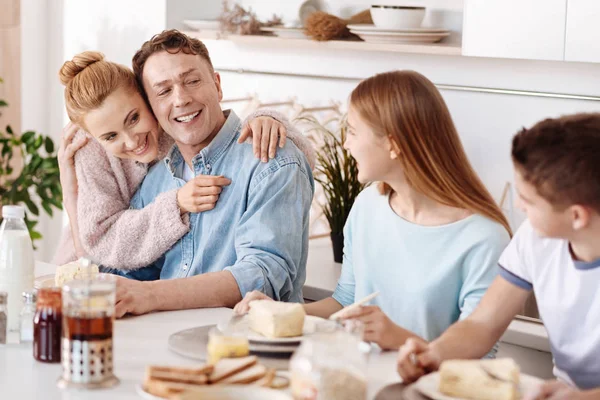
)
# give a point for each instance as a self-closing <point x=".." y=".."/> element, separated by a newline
<point x="486" y="231"/>
<point x="370" y="195"/>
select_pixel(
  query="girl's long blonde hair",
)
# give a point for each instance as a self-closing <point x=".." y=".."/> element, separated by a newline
<point x="408" y="108"/>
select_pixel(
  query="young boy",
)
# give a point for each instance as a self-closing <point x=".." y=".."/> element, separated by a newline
<point x="556" y="253"/>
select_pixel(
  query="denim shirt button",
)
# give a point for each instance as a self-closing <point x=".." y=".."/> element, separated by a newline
<point x="208" y="167"/>
<point x="185" y="267"/>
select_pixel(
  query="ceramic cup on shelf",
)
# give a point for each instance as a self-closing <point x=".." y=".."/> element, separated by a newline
<point x="397" y="17"/>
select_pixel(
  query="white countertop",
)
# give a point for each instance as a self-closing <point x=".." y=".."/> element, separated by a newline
<point x="138" y="341"/>
<point x="322" y="274"/>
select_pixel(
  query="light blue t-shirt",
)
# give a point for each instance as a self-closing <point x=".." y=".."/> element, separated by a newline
<point x="428" y="276"/>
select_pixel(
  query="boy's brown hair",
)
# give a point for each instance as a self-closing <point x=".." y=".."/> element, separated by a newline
<point x="560" y="157"/>
<point x="171" y="41"/>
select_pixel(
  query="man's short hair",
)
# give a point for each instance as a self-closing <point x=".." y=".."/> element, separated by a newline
<point x="560" y="157"/>
<point x="171" y="41"/>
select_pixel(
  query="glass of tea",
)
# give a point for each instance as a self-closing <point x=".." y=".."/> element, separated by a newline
<point x="87" y="333"/>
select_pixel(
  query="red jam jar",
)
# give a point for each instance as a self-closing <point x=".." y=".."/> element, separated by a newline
<point x="47" y="325"/>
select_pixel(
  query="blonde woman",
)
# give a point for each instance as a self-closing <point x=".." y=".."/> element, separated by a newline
<point x="429" y="235"/>
<point x="102" y="169"/>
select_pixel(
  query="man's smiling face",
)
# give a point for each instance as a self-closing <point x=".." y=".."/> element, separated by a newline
<point x="184" y="93"/>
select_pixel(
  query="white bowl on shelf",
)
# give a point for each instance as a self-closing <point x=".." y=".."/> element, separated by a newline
<point x="397" y="17"/>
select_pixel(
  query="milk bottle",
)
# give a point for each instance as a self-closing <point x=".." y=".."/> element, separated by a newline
<point x="16" y="261"/>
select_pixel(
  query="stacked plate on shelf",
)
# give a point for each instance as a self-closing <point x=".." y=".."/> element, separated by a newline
<point x="203" y="24"/>
<point x="372" y="34"/>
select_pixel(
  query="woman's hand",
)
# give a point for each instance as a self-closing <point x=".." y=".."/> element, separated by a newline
<point x="66" y="161"/>
<point x="378" y="328"/>
<point x="243" y="306"/>
<point x="265" y="133"/>
<point x="201" y="193"/>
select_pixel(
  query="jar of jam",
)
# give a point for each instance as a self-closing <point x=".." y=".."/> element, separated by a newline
<point x="47" y="325"/>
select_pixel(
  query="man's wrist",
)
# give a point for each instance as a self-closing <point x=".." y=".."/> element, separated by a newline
<point x="155" y="297"/>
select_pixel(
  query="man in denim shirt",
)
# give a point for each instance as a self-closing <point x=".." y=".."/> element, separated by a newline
<point x="256" y="237"/>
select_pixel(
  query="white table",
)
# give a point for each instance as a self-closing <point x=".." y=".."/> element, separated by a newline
<point x="139" y="341"/>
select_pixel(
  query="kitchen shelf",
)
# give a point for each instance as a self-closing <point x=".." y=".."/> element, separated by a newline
<point x="447" y="49"/>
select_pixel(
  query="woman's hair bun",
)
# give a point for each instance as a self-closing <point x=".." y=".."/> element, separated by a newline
<point x="81" y="61"/>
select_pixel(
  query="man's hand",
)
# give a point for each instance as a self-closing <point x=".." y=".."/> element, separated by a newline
<point x="378" y="328"/>
<point x="134" y="297"/>
<point x="555" y="390"/>
<point x="243" y="306"/>
<point x="416" y="358"/>
<point x="201" y="193"/>
<point x="265" y="132"/>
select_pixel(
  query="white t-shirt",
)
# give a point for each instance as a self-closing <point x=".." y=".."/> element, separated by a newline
<point x="184" y="172"/>
<point x="568" y="298"/>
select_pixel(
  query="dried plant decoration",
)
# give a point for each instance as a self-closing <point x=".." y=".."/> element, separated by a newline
<point x="238" y="20"/>
<point x="323" y="26"/>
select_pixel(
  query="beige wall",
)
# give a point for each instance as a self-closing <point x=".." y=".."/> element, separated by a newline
<point x="10" y="64"/>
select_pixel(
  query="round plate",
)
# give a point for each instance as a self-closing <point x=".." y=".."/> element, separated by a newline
<point x="428" y="385"/>
<point x="224" y="392"/>
<point x="201" y="25"/>
<point x="287" y="33"/>
<point x="191" y="343"/>
<point x="372" y="28"/>
<point x="400" y="38"/>
<point x="312" y="325"/>
<point x="44" y="281"/>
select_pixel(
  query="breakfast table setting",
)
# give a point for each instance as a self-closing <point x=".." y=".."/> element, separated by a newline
<point x="141" y="341"/>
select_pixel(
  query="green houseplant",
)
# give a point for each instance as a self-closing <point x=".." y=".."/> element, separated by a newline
<point x="337" y="172"/>
<point x="31" y="180"/>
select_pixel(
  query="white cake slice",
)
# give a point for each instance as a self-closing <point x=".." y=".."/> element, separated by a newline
<point x="79" y="269"/>
<point x="275" y="319"/>
<point x="480" y="379"/>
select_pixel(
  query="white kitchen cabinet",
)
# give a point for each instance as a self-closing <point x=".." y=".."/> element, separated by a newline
<point x="528" y="29"/>
<point x="583" y="31"/>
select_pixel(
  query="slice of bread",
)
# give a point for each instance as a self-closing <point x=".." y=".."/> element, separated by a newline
<point x="198" y="376"/>
<point x="480" y="379"/>
<point x="266" y="380"/>
<point x="248" y="375"/>
<point x="166" y="390"/>
<point x="227" y="367"/>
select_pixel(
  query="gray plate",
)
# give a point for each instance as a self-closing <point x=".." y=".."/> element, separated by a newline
<point x="191" y="343"/>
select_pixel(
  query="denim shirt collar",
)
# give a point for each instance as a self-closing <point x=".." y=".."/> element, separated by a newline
<point x="214" y="150"/>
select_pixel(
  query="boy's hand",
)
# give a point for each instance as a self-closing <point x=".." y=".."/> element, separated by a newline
<point x="415" y="359"/>
<point x="555" y="390"/>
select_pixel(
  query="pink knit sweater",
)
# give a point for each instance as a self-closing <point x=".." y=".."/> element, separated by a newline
<point x="113" y="235"/>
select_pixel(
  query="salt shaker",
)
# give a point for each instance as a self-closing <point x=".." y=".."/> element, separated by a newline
<point x="3" y="317"/>
<point x="26" y="317"/>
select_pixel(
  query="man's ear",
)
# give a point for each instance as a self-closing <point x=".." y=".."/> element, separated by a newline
<point x="217" y="77"/>
<point x="580" y="216"/>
